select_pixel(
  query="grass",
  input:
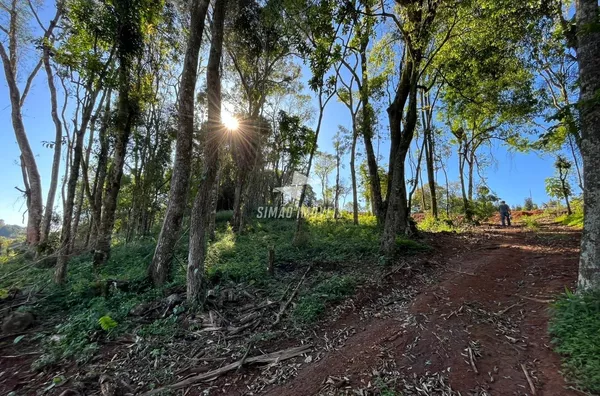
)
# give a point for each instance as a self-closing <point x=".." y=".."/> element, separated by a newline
<point x="531" y="222"/>
<point x="575" y="328"/>
<point x="574" y="220"/>
<point x="313" y="302"/>
<point x="90" y="316"/>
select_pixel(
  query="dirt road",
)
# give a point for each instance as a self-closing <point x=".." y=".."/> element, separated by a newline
<point x="479" y="328"/>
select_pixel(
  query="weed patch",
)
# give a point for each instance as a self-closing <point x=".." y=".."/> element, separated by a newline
<point x="575" y="326"/>
<point x="312" y="303"/>
<point x="575" y="220"/>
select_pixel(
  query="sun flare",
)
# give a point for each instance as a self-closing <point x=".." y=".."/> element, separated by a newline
<point x="230" y="122"/>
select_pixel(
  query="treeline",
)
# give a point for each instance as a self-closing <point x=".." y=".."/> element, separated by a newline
<point x="166" y="110"/>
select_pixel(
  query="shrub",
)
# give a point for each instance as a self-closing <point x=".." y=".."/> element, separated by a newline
<point x="575" y="326"/>
<point x="431" y="224"/>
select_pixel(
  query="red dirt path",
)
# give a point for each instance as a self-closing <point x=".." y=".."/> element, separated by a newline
<point x="473" y="301"/>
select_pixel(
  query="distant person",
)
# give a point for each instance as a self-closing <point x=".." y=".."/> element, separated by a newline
<point x="504" y="213"/>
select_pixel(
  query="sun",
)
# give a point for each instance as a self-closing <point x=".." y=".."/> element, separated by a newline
<point x="229" y="121"/>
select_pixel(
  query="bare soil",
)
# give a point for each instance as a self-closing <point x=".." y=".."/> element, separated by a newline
<point x="493" y="298"/>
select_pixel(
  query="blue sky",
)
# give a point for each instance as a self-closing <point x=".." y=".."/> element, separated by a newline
<point x="513" y="177"/>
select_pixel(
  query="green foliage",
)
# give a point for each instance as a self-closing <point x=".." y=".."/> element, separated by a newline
<point x="575" y="326"/>
<point x="242" y="257"/>
<point x="330" y="290"/>
<point x="531" y="222"/>
<point x="431" y="224"/>
<point x="107" y="323"/>
<point x="574" y="220"/>
<point x="529" y="205"/>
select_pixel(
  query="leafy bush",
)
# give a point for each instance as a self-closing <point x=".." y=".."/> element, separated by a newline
<point x="575" y="326"/>
<point x="431" y="224"/>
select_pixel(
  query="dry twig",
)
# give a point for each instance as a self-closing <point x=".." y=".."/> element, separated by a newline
<point x="528" y="379"/>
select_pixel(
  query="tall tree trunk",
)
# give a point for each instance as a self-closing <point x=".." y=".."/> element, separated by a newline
<point x="353" y="174"/>
<point x="323" y="100"/>
<point x="34" y="192"/>
<point x="180" y="180"/>
<point x="126" y="115"/>
<point x="203" y="204"/>
<point x="77" y="218"/>
<point x="100" y="177"/>
<point x="9" y="61"/>
<point x="336" y="199"/>
<point x="212" y="223"/>
<point x="430" y="162"/>
<point x="367" y="131"/>
<point x="471" y="163"/>
<point x="45" y="228"/>
<point x="463" y="188"/>
<point x="66" y="233"/>
<point x="397" y="217"/>
<point x="237" y="199"/>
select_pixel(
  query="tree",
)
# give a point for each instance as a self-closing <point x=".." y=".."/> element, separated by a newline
<point x="17" y="14"/>
<point x="132" y="19"/>
<point x="341" y="146"/>
<point x="529" y="205"/>
<point x="199" y="226"/>
<point x="180" y="179"/>
<point x="325" y="164"/>
<point x="588" y="57"/>
<point x="559" y="186"/>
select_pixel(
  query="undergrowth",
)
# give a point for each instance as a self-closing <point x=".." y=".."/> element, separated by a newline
<point x="574" y="220"/>
<point x="313" y="302"/>
<point x="531" y="222"/>
<point x="575" y="328"/>
<point x="93" y="311"/>
<point x="431" y="224"/>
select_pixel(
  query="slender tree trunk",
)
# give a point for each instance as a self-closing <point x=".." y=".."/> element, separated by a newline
<point x="471" y="163"/>
<point x="336" y="202"/>
<point x="203" y="204"/>
<point x="212" y="223"/>
<point x="573" y="148"/>
<point x="180" y="180"/>
<point x="34" y="192"/>
<point x="367" y="133"/>
<point x="126" y="115"/>
<point x="430" y="162"/>
<point x="45" y="230"/>
<point x="353" y="174"/>
<point x="66" y="234"/>
<point x="76" y="218"/>
<point x="237" y="199"/>
<point x="463" y="189"/>
<point x="322" y="105"/>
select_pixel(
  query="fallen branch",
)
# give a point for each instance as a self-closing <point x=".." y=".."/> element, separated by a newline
<point x="289" y="301"/>
<point x="534" y="299"/>
<point x="274" y="357"/>
<point x="528" y="379"/>
<point x="505" y="310"/>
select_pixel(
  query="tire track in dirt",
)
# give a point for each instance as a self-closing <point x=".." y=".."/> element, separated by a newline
<point x="492" y="299"/>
